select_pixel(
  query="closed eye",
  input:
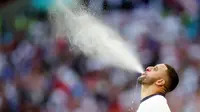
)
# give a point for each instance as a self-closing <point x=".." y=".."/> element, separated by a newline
<point x="155" y="68"/>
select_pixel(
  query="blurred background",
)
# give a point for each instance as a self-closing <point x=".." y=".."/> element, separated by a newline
<point x="40" y="73"/>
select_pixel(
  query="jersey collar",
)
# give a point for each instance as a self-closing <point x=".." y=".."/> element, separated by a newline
<point x="146" y="98"/>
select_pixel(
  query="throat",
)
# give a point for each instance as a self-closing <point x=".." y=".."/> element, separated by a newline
<point x="147" y="91"/>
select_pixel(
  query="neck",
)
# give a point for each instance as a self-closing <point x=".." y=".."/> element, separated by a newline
<point x="148" y="90"/>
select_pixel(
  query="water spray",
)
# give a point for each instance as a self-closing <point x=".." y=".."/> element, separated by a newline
<point x="90" y="36"/>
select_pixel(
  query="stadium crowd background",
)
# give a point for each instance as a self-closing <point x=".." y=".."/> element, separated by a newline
<point x="39" y="73"/>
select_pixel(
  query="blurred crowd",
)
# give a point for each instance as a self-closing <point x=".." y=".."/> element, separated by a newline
<point x="40" y="73"/>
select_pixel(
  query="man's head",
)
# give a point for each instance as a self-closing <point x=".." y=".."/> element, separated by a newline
<point x="161" y="76"/>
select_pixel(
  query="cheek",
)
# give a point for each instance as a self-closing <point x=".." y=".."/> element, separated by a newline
<point x="150" y="79"/>
<point x="153" y="75"/>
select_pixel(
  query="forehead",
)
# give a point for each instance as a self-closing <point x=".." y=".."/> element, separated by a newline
<point x="162" y="67"/>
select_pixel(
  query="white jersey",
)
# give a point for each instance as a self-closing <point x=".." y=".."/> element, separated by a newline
<point x="154" y="103"/>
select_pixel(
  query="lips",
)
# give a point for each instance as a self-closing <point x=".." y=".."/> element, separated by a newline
<point x="144" y="73"/>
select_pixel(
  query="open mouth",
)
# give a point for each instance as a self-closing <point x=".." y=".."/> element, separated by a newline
<point x="144" y="74"/>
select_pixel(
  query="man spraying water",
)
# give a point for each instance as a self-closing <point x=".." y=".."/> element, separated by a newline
<point x="156" y="82"/>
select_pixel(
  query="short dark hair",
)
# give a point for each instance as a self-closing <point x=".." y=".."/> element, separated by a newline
<point x="172" y="77"/>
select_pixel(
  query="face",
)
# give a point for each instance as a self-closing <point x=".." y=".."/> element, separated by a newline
<point x="154" y="75"/>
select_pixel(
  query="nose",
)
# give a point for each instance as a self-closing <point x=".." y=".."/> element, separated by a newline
<point x="148" y="69"/>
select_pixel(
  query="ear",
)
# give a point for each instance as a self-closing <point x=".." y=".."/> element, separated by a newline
<point x="160" y="82"/>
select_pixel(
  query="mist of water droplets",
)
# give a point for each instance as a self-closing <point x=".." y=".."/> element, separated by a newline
<point x="90" y="36"/>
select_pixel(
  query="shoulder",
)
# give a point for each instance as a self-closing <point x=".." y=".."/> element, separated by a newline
<point x="155" y="100"/>
<point x="155" y="104"/>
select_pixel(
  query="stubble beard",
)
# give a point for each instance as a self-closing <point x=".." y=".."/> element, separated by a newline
<point x="144" y="80"/>
<point x="140" y="80"/>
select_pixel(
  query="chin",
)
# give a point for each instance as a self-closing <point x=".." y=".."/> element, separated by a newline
<point x="141" y="79"/>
